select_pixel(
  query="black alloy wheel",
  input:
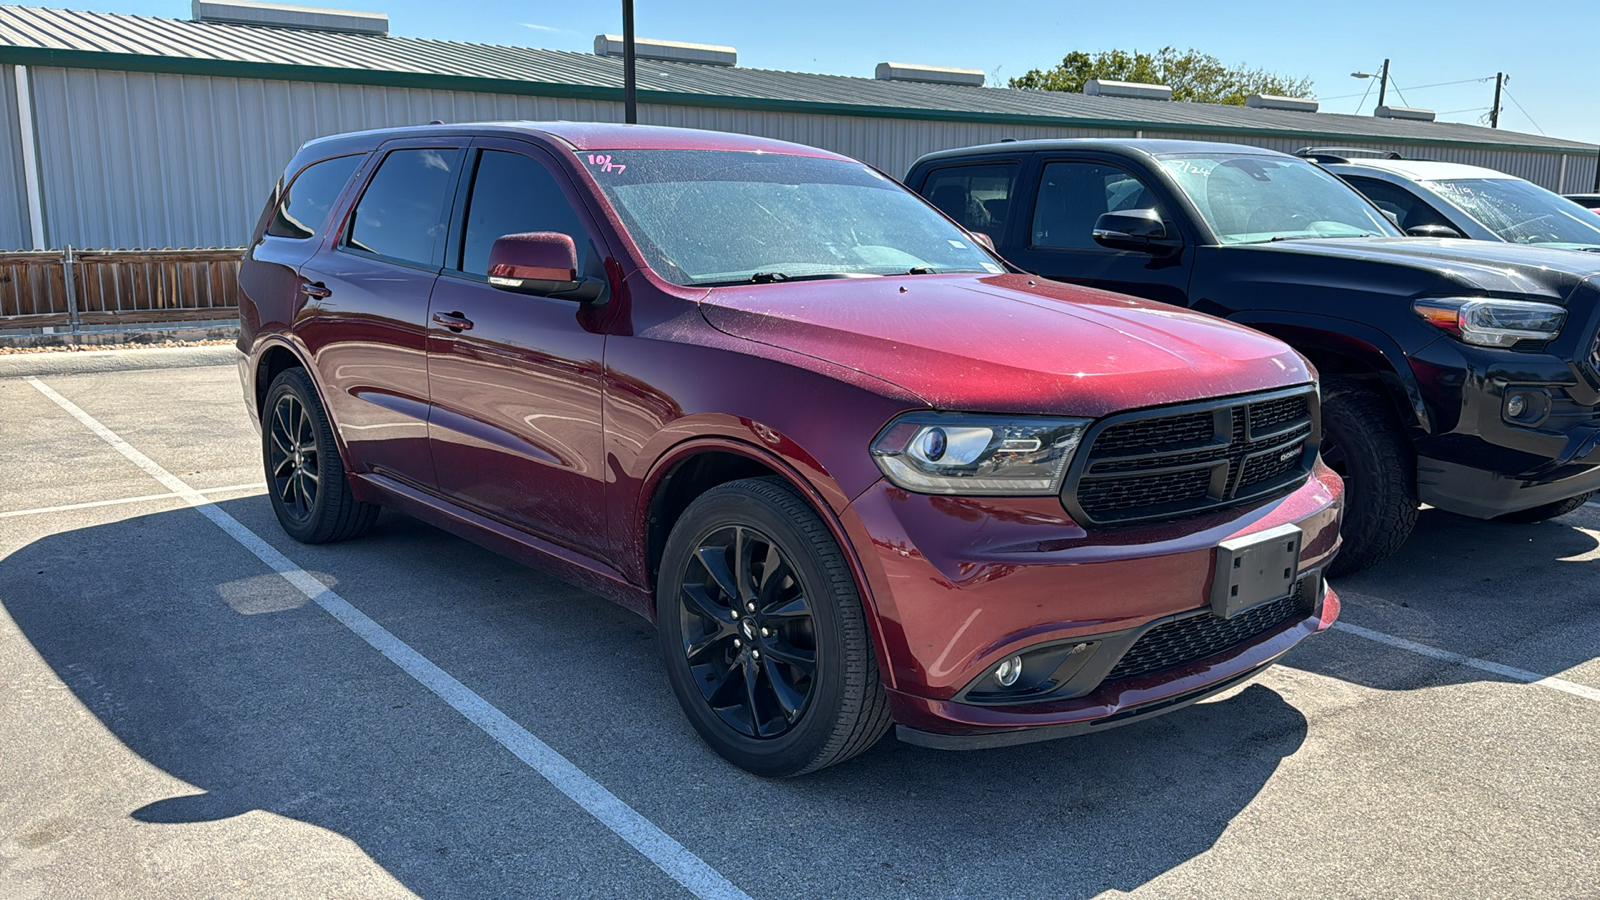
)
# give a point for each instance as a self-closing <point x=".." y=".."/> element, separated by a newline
<point x="306" y="480"/>
<point x="764" y="633"/>
<point x="292" y="458"/>
<point x="747" y="633"/>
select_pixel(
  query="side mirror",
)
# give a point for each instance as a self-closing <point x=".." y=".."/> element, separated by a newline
<point x="541" y="263"/>
<point x="1433" y="231"/>
<point x="983" y="239"/>
<point x="1140" y="230"/>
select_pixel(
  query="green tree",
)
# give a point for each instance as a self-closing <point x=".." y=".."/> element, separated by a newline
<point x="1192" y="75"/>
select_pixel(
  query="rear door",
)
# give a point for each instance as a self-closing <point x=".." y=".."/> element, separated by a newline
<point x="1066" y="195"/>
<point x="365" y="319"/>
<point x="515" y="424"/>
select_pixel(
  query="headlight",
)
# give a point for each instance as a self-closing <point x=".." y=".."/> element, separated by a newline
<point x="1490" y="322"/>
<point x="958" y="453"/>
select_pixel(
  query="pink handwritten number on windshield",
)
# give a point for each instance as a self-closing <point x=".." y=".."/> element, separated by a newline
<point x="602" y="161"/>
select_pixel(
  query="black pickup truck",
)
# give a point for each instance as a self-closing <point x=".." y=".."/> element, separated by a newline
<point x="1461" y="374"/>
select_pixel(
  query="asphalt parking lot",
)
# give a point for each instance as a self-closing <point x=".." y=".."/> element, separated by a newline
<point x="183" y="713"/>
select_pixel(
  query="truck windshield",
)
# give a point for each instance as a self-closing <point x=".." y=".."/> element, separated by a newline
<point x="1520" y="211"/>
<point x="1250" y="198"/>
<point x="717" y="217"/>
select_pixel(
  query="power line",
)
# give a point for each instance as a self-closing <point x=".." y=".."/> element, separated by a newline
<point x="1417" y="88"/>
<point x="1363" y="100"/>
<point x="1524" y="112"/>
<point x="1396" y="86"/>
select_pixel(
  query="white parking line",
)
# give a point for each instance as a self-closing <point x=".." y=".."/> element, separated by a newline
<point x="643" y="835"/>
<point x="118" y="502"/>
<point x="1549" y="681"/>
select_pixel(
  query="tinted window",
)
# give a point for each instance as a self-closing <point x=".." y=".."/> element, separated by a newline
<point x="402" y="215"/>
<point x="978" y="197"/>
<point x="1407" y="208"/>
<point x="310" y="198"/>
<point x="1072" y="196"/>
<point x="512" y="194"/>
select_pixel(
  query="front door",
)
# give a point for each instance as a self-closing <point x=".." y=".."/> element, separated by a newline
<point x="515" y="379"/>
<point x="1058" y="240"/>
<point x="365" y="317"/>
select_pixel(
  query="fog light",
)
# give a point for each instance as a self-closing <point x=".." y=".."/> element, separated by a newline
<point x="1526" y="407"/>
<point x="1008" y="671"/>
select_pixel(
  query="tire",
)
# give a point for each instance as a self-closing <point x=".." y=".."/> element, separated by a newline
<point x="771" y="716"/>
<point x="1547" y="511"/>
<point x="1362" y="440"/>
<point x="305" y="476"/>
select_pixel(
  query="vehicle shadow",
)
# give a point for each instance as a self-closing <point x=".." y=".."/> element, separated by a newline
<point x="1520" y="595"/>
<point x="220" y="674"/>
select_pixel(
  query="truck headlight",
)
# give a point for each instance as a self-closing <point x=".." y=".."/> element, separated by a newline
<point x="1492" y="322"/>
<point x="960" y="453"/>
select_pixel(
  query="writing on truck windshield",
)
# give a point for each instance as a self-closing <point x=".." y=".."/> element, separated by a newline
<point x="1248" y="198"/>
<point x="716" y="217"/>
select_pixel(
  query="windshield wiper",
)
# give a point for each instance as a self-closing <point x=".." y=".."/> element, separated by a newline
<point x="775" y="277"/>
<point x="923" y="270"/>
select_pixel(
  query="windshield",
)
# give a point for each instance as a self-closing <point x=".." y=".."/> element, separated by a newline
<point x="1249" y="199"/>
<point x="710" y="217"/>
<point x="1520" y="211"/>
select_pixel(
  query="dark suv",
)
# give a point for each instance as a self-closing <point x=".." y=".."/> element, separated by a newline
<point x="856" y="470"/>
<point x="1455" y="373"/>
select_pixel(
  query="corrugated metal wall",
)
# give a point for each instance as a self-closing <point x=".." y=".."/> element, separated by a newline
<point x="135" y="159"/>
<point x="13" y="195"/>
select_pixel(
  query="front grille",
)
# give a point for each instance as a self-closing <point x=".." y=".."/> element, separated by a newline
<point x="1168" y="463"/>
<point x="1183" y="641"/>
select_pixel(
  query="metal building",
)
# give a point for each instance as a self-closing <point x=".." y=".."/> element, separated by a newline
<point x="128" y="131"/>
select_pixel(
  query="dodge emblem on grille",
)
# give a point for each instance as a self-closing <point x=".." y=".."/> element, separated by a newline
<point x="1289" y="454"/>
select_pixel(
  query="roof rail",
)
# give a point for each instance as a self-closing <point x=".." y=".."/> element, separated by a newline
<point x="1343" y="154"/>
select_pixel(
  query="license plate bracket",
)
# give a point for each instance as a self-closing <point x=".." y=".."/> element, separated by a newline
<point x="1255" y="569"/>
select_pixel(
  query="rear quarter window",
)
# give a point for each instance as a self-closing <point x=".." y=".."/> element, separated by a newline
<point x="304" y="208"/>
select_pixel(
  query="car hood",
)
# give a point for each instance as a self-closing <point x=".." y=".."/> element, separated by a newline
<point x="1501" y="268"/>
<point x="1007" y="344"/>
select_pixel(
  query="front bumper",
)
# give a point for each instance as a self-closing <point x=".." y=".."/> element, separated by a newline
<point x="1479" y="461"/>
<point x="959" y="584"/>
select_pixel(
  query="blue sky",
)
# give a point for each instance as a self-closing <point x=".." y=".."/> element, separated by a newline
<point x="1548" y="47"/>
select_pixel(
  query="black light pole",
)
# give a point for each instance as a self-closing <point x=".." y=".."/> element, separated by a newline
<point x="1383" y="83"/>
<point x="630" y="101"/>
<point x="1494" y="111"/>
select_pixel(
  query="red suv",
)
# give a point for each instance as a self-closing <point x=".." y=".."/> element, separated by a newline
<point x="857" y="469"/>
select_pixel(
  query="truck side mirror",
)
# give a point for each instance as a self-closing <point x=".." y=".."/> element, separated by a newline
<point x="1433" y="231"/>
<point x="1140" y="230"/>
<point x="541" y="263"/>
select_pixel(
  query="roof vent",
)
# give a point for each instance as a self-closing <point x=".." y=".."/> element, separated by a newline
<point x="282" y="15"/>
<point x="1099" y="87"/>
<point x="669" y="51"/>
<point x="1273" y="101"/>
<point x="1404" y="112"/>
<point x="893" y="71"/>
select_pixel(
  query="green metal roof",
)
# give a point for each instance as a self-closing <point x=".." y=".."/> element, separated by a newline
<point x="56" y="37"/>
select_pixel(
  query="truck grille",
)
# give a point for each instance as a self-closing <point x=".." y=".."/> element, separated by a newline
<point x="1178" y="461"/>
<point x="1183" y="641"/>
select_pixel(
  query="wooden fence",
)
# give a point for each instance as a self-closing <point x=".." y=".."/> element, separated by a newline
<point x="115" y="287"/>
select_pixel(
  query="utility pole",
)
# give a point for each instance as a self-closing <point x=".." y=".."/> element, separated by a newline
<point x="630" y="100"/>
<point x="1383" y="83"/>
<point x="1494" y="111"/>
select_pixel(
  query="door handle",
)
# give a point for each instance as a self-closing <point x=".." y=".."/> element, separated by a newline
<point x="454" y="321"/>
<point x="315" y="289"/>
